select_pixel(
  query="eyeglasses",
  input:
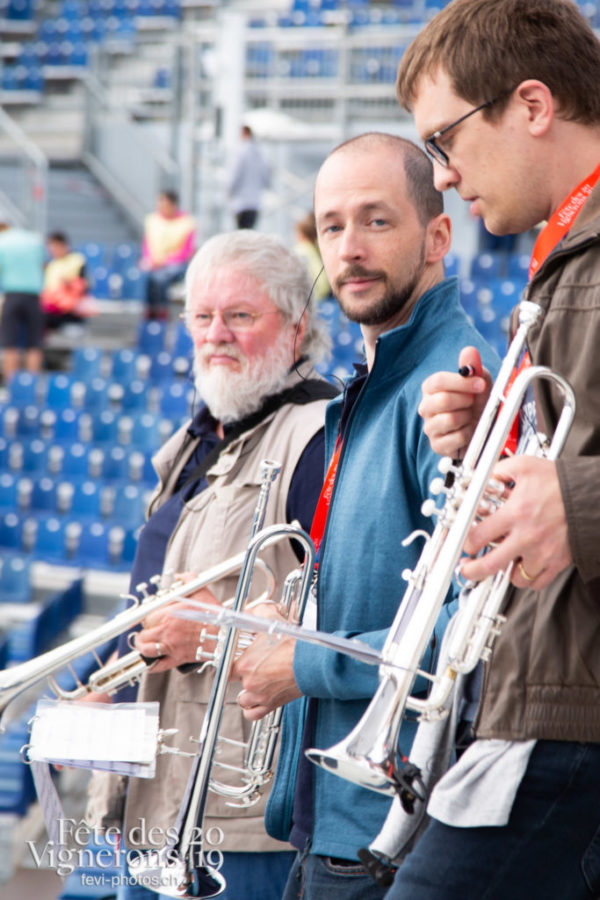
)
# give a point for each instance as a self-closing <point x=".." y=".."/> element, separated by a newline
<point x="434" y="149"/>
<point x="233" y="319"/>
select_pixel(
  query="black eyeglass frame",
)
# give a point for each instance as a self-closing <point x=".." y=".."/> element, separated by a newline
<point x="434" y="150"/>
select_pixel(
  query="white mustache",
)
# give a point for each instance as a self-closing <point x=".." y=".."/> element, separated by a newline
<point x="208" y="350"/>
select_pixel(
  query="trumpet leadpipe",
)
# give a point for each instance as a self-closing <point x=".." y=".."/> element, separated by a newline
<point x="18" y="679"/>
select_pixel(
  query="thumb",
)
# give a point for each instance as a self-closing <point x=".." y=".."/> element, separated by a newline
<point x="469" y="357"/>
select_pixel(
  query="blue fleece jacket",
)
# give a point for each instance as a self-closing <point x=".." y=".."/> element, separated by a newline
<point x="383" y="477"/>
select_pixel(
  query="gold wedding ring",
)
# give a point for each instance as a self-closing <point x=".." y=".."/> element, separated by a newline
<point x="526" y="574"/>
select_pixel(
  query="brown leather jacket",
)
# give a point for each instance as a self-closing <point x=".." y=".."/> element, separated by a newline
<point x="544" y="677"/>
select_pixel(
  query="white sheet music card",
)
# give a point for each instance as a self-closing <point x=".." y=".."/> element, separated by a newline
<point x="116" y="737"/>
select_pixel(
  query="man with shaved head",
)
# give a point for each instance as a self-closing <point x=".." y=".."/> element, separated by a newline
<point x="383" y="236"/>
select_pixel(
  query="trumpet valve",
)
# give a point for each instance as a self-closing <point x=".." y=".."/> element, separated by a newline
<point x="429" y="508"/>
<point x="438" y="486"/>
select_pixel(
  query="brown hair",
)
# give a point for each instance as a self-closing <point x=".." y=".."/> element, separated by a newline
<point x="418" y="169"/>
<point x="307" y="227"/>
<point x="488" y="47"/>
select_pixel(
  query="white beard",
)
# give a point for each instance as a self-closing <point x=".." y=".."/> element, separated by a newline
<point x="230" y="395"/>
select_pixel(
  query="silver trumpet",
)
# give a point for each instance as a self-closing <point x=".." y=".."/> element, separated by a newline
<point x="369" y="755"/>
<point x="182" y="869"/>
<point x="127" y="669"/>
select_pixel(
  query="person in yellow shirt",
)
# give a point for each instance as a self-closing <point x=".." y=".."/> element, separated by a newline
<point x="169" y="242"/>
<point x="65" y="292"/>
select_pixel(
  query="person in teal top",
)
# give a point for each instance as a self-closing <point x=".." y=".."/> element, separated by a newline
<point x="383" y="236"/>
<point x="21" y="279"/>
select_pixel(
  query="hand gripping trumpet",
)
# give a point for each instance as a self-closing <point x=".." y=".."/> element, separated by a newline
<point x="182" y="869"/>
<point x="369" y="755"/>
<point x="127" y="669"/>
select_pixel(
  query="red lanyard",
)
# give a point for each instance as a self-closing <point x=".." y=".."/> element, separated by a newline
<point x="561" y="220"/>
<point x="549" y="237"/>
<point x="317" y="529"/>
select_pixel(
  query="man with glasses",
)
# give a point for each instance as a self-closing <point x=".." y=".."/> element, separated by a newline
<point x="505" y="95"/>
<point x="255" y="342"/>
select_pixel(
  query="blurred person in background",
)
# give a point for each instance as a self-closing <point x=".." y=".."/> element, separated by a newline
<point x="65" y="292"/>
<point x="307" y="248"/>
<point x="249" y="177"/>
<point x="21" y="280"/>
<point x="168" y="245"/>
<point x="255" y="340"/>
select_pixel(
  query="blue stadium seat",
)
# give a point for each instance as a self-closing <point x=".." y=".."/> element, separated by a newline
<point x="161" y="367"/>
<point x="29" y="421"/>
<point x="97" y="395"/>
<point x="116" y="464"/>
<point x="86" y="500"/>
<point x="67" y="425"/>
<point x="59" y="391"/>
<point x="34" y="79"/>
<point x="34" y="456"/>
<point x="10" y="80"/>
<point x="104" y="427"/>
<point x="15" y="580"/>
<point x="135" y="395"/>
<point x="101" y="545"/>
<point x="73" y="10"/>
<point x="86" y="363"/>
<point x="487" y="266"/>
<point x="99" y="278"/>
<point x="54" y="55"/>
<point x="518" y="267"/>
<point x="20" y="9"/>
<point x="183" y="344"/>
<point x="50" y="539"/>
<point x="124" y="256"/>
<point x="175" y="400"/>
<point x="124" y="365"/>
<point x="43" y="495"/>
<point x="134" y="284"/>
<point x="23" y="388"/>
<point x="145" y="434"/>
<point x="151" y="337"/>
<point x="8" y="491"/>
<point x="128" y="508"/>
<point x="47" y="30"/>
<point x="10" y="531"/>
<point x="75" y="460"/>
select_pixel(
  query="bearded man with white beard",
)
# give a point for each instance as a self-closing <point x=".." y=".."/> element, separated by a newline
<point x="255" y="342"/>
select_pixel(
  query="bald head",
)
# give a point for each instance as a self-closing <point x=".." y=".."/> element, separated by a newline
<point x="418" y="169"/>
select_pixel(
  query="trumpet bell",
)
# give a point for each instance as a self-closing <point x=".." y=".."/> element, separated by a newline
<point x="173" y="879"/>
<point x="360" y="771"/>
